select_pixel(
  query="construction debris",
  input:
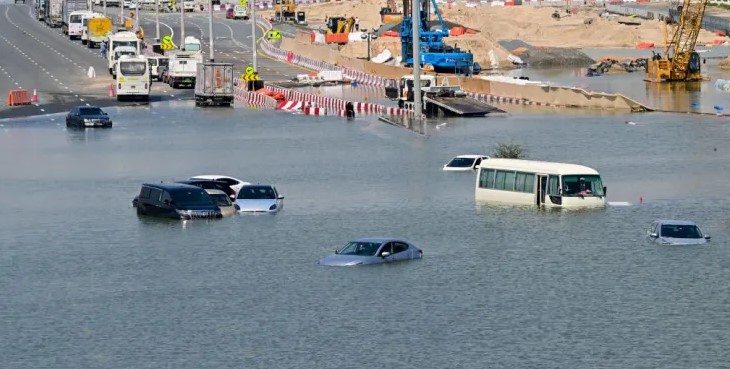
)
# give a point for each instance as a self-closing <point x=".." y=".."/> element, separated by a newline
<point x="610" y="66"/>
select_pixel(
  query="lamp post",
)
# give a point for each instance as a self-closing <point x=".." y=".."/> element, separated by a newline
<point x="210" y="30"/>
<point x="253" y="34"/>
<point x="415" y="16"/>
<point x="157" y="20"/>
<point x="182" y="26"/>
<point x="105" y="8"/>
<point x="373" y="35"/>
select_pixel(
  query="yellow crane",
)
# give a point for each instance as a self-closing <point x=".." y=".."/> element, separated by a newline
<point x="684" y="62"/>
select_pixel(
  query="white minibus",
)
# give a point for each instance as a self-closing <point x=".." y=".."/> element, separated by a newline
<point x="545" y="184"/>
<point x="133" y="78"/>
<point x="75" y="23"/>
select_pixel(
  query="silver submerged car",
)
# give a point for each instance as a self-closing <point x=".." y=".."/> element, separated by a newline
<point x="367" y="251"/>
<point x="676" y="232"/>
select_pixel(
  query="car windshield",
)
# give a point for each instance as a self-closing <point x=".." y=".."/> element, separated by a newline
<point x="221" y="199"/>
<point x="360" y="248"/>
<point x="90" y="111"/>
<point x="125" y="43"/>
<point x="582" y="185"/>
<point x="137" y="68"/>
<point x="76" y="18"/>
<point x="680" y="231"/>
<point x="256" y="193"/>
<point x="461" y="162"/>
<point x="117" y="54"/>
<point x="191" y="197"/>
<point x="240" y="8"/>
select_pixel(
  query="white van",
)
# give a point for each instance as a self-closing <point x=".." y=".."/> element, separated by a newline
<point x="75" y="23"/>
<point x="133" y="78"/>
<point x="545" y="184"/>
<point x="121" y="39"/>
<point x="240" y="12"/>
<point x="188" y="5"/>
<point x="157" y="65"/>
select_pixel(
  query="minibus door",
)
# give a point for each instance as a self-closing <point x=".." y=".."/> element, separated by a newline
<point x="541" y="187"/>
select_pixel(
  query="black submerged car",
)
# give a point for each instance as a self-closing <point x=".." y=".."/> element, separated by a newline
<point x="88" y="117"/>
<point x="175" y="200"/>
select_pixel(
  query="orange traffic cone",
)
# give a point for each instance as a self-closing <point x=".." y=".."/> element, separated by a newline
<point x="111" y="90"/>
<point x="35" y="96"/>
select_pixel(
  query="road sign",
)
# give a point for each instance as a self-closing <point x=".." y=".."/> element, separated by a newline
<point x="249" y="70"/>
<point x="167" y="43"/>
<point x="250" y="75"/>
<point x="273" y="34"/>
<point x="242" y="2"/>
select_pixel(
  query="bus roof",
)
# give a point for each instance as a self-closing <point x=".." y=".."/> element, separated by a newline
<point x="537" y="166"/>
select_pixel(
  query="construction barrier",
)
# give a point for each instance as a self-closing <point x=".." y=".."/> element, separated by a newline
<point x="337" y="38"/>
<point x="252" y="99"/>
<point x="18" y="97"/>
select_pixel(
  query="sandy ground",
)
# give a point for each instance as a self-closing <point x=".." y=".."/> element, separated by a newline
<point x="531" y="24"/>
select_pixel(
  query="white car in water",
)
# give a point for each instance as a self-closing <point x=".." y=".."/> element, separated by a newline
<point x="259" y="199"/>
<point x="464" y="163"/>
<point x="234" y="183"/>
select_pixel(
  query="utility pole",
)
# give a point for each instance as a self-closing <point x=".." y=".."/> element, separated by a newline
<point x="121" y="12"/>
<point x="415" y="9"/>
<point x="105" y="8"/>
<point x="253" y="33"/>
<point x="182" y="26"/>
<point x="157" y="20"/>
<point x="210" y="29"/>
<point x="136" y="17"/>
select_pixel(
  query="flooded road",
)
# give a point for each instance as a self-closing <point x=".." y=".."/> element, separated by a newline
<point x="87" y="283"/>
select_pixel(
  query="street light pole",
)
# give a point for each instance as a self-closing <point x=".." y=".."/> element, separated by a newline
<point x="182" y="26"/>
<point x="210" y="29"/>
<point x="121" y="12"/>
<point x="253" y="34"/>
<point x="157" y="20"/>
<point x="105" y="8"/>
<point x="136" y="17"/>
<point x="415" y="16"/>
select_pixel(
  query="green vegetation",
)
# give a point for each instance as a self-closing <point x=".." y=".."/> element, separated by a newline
<point x="509" y="151"/>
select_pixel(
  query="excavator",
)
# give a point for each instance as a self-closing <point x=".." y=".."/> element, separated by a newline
<point x="684" y="63"/>
<point x="390" y="13"/>
<point x="286" y="11"/>
<point x="340" y="24"/>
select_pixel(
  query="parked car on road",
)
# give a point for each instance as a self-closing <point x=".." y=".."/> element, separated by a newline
<point x="367" y="251"/>
<point x="209" y="184"/>
<point x="259" y="198"/>
<point x="676" y="232"/>
<point x="234" y="183"/>
<point x="175" y="200"/>
<point x="229" y="13"/>
<point x="87" y="117"/>
<point x="464" y="163"/>
<point x="223" y="201"/>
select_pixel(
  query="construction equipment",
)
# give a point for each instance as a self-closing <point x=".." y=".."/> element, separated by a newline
<point x="684" y="63"/>
<point x="340" y="24"/>
<point x="285" y="11"/>
<point x="390" y="14"/>
<point x="435" y="54"/>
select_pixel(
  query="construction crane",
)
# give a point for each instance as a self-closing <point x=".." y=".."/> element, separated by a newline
<point x="434" y="52"/>
<point x="684" y="63"/>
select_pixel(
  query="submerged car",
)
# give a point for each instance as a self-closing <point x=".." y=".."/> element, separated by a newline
<point x="464" y="163"/>
<point x="223" y="201"/>
<point x="87" y="117"/>
<point x="259" y="199"/>
<point x="233" y="183"/>
<point x="676" y="232"/>
<point x="175" y="200"/>
<point x="367" y="251"/>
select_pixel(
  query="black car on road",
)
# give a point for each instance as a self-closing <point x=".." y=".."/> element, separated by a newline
<point x="175" y="200"/>
<point x="88" y="117"/>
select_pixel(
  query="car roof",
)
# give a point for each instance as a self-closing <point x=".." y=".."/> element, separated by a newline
<point x="379" y="239"/>
<point x="215" y="192"/>
<point x="470" y="156"/>
<point x="212" y="176"/>
<point x="172" y="186"/>
<point x="675" y="222"/>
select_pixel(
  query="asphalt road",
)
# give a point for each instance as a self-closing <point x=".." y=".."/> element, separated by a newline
<point x="36" y="57"/>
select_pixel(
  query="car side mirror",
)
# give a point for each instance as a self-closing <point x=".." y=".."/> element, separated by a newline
<point x="337" y="251"/>
<point x="605" y="190"/>
<point x="385" y="254"/>
<point x="708" y="238"/>
<point x="280" y="198"/>
<point x="653" y="235"/>
<point x="235" y="206"/>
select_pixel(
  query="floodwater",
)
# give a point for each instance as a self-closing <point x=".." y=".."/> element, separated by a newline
<point x="86" y="283"/>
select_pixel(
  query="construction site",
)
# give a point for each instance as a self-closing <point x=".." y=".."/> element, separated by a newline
<point x="474" y="45"/>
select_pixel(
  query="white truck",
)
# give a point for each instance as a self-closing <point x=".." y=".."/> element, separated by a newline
<point x="52" y="13"/>
<point x="121" y="39"/>
<point x="183" y="68"/>
<point x="214" y="84"/>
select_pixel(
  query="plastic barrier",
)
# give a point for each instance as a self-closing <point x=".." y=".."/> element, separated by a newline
<point x="391" y="34"/>
<point x="456" y="31"/>
<point x="337" y="38"/>
<point x="18" y="97"/>
<point x="645" y="45"/>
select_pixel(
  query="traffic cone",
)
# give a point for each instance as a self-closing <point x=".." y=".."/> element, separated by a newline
<point x="111" y="90"/>
<point x="35" y="96"/>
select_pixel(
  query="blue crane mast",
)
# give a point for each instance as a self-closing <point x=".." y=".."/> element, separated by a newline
<point x="433" y="51"/>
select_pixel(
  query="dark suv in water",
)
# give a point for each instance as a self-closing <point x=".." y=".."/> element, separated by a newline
<point x="175" y="200"/>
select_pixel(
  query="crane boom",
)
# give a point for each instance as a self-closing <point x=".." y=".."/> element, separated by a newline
<point x="680" y="62"/>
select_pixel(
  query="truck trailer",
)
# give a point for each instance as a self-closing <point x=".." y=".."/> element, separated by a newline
<point x="214" y="84"/>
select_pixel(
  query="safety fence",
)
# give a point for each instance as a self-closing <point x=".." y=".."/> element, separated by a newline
<point x="325" y="105"/>
<point x="252" y="99"/>
<point x="317" y="65"/>
<point x="509" y="100"/>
